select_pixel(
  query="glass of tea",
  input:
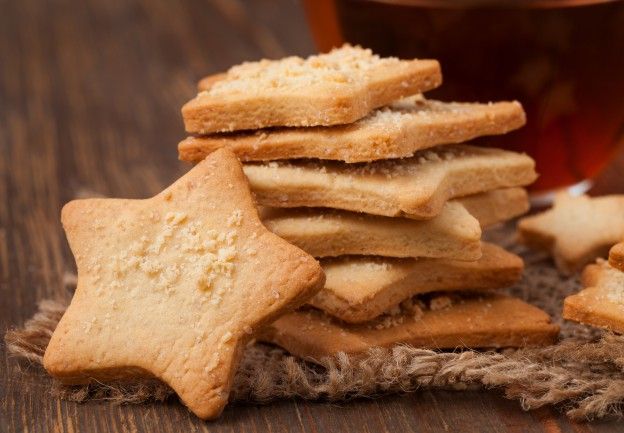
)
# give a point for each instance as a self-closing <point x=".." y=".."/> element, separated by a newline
<point x="562" y="59"/>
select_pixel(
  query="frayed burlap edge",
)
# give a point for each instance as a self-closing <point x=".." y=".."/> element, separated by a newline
<point x="584" y="373"/>
<point x="587" y="377"/>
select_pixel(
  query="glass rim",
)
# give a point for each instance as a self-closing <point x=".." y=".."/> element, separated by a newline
<point x="495" y="4"/>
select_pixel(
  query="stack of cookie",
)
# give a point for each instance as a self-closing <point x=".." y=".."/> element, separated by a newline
<point x="350" y="163"/>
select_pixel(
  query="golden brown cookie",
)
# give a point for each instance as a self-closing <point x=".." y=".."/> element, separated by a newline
<point x="601" y="303"/>
<point x="451" y="234"/>
<point x="358" y="289"/>
<point x="415" y="187"/>
<point x="616" y="256"/>
<point x="396" y="131"/>
<point x="576" y="230"/>
<point x="339" y="87"/>
<point x="454" y="233"/>
<point x="173" y="286"/>
<point x="490" y="321"/>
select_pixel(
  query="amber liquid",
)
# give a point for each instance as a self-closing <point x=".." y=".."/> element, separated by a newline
<point x="563" y="61"/>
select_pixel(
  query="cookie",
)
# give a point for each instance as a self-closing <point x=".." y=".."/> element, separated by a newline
<point x="415" y="187"/>
<point x="358" y="289"/>
<point x="490" y="321"/>
<point x="174" y="286"/>
<point x="396" y="131"/>
<point x="451" y="234"/>
<point x="496" y="206"/>
<point x="616" y="256"/>
<point x="601" y="303"/>
<point x="326" y="89"/>
<point x="454" y="233"/>
<point x="576" y="230"/>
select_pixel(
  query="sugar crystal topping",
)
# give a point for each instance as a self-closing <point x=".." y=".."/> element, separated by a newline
<point x="341" y="66"/>
<point x="424" y="111"/>
<point x="180" y="248"/>
<point x="389" y="169"/>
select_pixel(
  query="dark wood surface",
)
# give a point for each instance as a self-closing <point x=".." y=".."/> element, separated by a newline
<point x="90" y="93"/>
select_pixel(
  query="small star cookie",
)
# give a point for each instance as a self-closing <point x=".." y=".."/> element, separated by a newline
<point x="175" y="285"/>
<point x="601" y="302"/>
<point x="576" y="230"/>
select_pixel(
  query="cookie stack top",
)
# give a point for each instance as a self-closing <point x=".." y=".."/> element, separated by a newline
<point x="329" y="89"/>
<point x="352" y="164"/>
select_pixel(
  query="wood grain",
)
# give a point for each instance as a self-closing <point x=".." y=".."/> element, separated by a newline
<point x="89" y="101"/>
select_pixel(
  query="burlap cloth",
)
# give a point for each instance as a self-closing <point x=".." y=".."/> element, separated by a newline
<point x="583" y="374"/>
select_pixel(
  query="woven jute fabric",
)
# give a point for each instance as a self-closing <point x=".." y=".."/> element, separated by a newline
<point x="583" y="374"/>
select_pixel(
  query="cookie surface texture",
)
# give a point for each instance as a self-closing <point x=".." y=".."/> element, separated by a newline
<point x="415" y="187"/>
<point x="173" y="286"/>
<point x="339" y="87"/>
<point x="396" y="131"/>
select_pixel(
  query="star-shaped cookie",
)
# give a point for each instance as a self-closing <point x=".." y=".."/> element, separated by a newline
<point x="332" y="88"/>
<point x="576" y="230"/>
<point x="601" y="302"/>
<point x="485" y="321"/>
<point x="173" y="286"/>
<point x="415" y="187"/>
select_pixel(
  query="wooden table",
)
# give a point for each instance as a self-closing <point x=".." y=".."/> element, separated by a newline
<point x="90" y="93"/>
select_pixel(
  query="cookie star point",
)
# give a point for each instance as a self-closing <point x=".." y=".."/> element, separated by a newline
<point x="616" y="256"/>
<point x="174" y="285"/>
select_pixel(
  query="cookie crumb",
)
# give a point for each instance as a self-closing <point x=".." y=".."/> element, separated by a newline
<point x="235" y="219"/>
<point x="440" y="303"/>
